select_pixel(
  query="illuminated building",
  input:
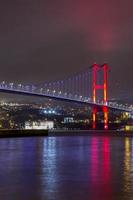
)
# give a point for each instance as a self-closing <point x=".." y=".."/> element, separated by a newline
<point x="41" y="125"/>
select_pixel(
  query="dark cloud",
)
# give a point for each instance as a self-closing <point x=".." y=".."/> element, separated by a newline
<point x="46" y="40"/>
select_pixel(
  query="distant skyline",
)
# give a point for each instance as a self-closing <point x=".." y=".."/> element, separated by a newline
<point x="47" y="40"/>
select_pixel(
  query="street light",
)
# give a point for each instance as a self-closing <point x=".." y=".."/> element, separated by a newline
<point x="54" y="92"/>
<point x="11" y="85"/>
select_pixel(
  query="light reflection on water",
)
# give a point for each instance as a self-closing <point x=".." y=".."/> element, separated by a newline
<point x="74" y="168"/>
<point x="128" y="168"/>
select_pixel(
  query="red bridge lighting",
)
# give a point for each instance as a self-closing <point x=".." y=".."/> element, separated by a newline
<point x="103" y="87"/>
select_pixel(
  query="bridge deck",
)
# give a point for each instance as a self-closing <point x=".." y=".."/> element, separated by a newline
<point x="61" y="98"/>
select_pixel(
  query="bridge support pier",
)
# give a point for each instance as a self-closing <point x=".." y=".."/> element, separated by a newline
<point x="94" y="112"/>
<point x="105" y="112"/>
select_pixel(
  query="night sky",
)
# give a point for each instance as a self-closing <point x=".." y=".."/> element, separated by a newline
<point x="42" y="40"/>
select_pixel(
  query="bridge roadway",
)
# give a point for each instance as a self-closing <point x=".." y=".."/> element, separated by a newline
<point x="62" y="98"/>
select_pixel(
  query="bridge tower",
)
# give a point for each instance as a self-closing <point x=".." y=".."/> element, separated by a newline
<point x="96" y="68"/>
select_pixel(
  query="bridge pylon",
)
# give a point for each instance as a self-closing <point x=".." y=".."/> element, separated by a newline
<point x="96" y="68"/>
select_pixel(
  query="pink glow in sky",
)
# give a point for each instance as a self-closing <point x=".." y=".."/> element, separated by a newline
<point x="62" y="37"/>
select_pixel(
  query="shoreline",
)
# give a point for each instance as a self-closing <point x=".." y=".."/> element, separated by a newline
<point x="23" y="133"/>
<point x="54" y="133"/>
<point x="115" y="133"/>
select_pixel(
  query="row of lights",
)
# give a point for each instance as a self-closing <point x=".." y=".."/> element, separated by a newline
<point x="20" y="86"/>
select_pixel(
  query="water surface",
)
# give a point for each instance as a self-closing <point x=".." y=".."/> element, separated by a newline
<point x="66" y="168"/>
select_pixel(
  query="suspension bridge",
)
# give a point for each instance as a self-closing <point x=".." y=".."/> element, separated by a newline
<point x="80" y="88"/>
